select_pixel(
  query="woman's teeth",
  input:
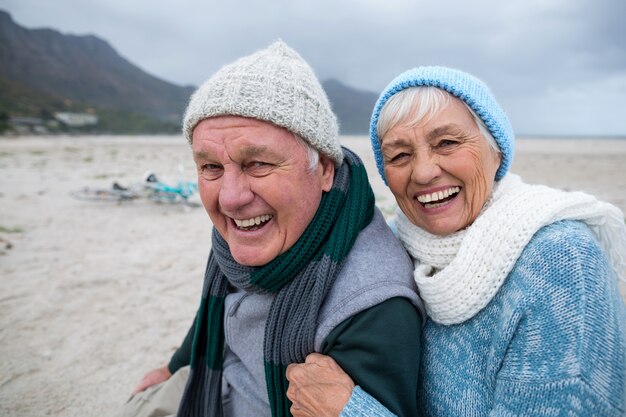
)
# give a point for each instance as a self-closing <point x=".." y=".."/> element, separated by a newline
<point x="255" y="221"/>
<point x="438" y="195"/>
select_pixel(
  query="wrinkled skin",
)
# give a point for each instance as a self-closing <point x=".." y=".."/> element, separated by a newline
<point x="446" y="152"/>
<point x="249" y="169"/>
<point x="318" y="387"/>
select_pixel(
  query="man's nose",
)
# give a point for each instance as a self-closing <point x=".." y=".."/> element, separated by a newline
<point x="235" y="191"/>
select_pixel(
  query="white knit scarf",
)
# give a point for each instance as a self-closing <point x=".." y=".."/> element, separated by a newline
<point x="458" y="275"/>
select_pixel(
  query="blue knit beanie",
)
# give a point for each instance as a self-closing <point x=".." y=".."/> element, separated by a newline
<point x="463" y="86"/>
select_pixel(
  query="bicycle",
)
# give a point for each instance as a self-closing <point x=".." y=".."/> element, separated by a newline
<point x="151" y="189"/>
<point x="163" y="193"/>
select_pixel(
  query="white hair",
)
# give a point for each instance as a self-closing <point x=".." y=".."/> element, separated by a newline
<point x="417" y="105"/>
<point x="312" y="154"/>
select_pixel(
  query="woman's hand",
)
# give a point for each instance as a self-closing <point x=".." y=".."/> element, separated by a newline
<point x="156" y="376"/>
<point x="318" y="387"/>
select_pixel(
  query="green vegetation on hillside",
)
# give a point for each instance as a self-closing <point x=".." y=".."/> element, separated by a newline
<point x="18" y="100"/>
<point x="119" y="121"/>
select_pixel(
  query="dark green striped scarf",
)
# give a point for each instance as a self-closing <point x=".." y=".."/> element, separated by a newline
<point x="300" y="278"/>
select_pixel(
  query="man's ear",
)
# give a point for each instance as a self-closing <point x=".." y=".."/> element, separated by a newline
<point x="327" y="172"/>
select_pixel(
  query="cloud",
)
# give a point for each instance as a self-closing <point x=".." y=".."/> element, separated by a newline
<point x="535" y="54"/>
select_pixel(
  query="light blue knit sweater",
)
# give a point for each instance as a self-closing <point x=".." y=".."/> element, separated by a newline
<point x="552" y="342"/>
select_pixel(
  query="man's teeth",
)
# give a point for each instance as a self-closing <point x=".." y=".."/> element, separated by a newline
<point x="438" y="195"/>
<point x="254" y="221"/>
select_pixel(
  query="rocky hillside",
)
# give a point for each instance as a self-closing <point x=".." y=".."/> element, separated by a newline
<point x="85" y="69"/>
<point x="43" y="71"/>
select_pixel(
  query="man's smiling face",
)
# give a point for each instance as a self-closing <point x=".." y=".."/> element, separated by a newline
<point x="256" y="185"/>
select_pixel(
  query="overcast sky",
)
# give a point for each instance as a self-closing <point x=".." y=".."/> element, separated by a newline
<point x="556" y="66"/>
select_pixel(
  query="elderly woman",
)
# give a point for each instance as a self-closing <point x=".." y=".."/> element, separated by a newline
<point x="519" y="281"/>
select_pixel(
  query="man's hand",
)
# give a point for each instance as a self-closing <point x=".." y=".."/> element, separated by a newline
<point x="318" y="387"/>
<point x="156" y="376"/>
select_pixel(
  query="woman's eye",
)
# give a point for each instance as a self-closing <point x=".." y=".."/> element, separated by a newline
<point x="443" y="143"/>
<point x="398" y="157"/>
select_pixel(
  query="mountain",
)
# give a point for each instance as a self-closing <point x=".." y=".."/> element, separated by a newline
<point x="44" y="71"/>
<point x="85" y="69"/>
<point x="353" y="107"/>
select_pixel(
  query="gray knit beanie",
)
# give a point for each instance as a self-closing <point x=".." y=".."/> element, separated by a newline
<point x="274" y="85"/>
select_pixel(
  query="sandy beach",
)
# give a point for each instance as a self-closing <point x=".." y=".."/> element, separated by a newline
<point x="93" y="295"/>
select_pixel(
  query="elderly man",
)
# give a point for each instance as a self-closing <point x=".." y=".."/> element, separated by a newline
<point x="301" y="259"/>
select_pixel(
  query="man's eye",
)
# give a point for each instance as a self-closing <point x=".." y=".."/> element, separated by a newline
<point x="258" y="168"/>
<point x="210" y="171"/>
<point x="210" y="167"/>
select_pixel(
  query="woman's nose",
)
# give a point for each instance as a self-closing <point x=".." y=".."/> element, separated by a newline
<point x="425" y="167"/>
<point x="235" y="191"/>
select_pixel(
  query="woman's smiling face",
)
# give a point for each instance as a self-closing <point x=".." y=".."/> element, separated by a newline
<point x="441" y="171"/>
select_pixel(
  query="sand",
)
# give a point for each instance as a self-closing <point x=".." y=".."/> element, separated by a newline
<point x="93" y="295"/>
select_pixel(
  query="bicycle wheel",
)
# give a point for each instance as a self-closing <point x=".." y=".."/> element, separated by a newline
<point x="101" y="194"/>
<point x="166" y="197"/>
